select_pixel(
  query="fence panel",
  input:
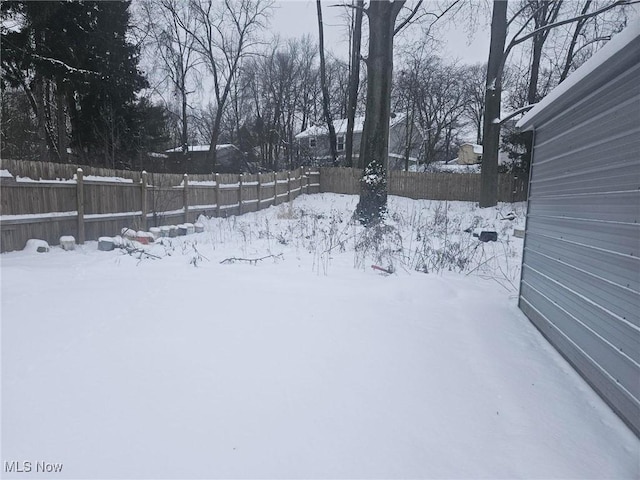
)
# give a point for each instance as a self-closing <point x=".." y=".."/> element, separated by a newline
<point x="296" y="183"/>
<point x="313" y="178"/>
<point x="19" y="198"/>
<point x="201" y="196"/>
<point x="268" y="189"/>
<point x="103" y="197"/>
<point x="48" y="209"/>
<point x="430" y="186"/>
<point x="62" y="171"/>
<point x="15" y="235"/>
<point x="249" y="193"/>
<point x="340" y="180"/>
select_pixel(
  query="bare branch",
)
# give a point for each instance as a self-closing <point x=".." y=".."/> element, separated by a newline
<point x="437" y="16"/>
<point x="406" y="21"/>
<point x="526" y="108"/>
<point x="531" y="34"/>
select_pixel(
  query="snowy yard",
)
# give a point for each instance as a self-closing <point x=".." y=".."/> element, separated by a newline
<point x="306" y="364"/>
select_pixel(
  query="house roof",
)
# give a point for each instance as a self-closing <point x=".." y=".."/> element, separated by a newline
<point x="477" y="149"/>
<point x="340" y="126"/>
<point x="201" y="148"/>
<point x="622" y="50"/>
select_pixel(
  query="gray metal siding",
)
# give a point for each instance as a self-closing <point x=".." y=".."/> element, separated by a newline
<point x="581" y="267"/>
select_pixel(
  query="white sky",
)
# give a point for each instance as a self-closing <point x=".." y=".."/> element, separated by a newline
<point x="294" y="18"/>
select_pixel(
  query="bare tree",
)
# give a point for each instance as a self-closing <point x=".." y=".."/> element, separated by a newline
<point x="474" y="84"/>
<point x="281" y="89"/>
<point x="543" y="13"/>
<point x="404" y="96"/>
<point x="493" y="97"/>
<point x="544" y="17"/>
<point x="225" y="33"/>
<point x="325" y="89"/>
<point x="439" y="98"/>
<point x="590" y="33"/>
<point x="169" y="23"/>
<point x="354" y="79"/>
<point x="375" y="136"/>
<point x="382" y="18"/>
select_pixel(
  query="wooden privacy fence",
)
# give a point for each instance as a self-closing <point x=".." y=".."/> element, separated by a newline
<point x="429" y="186"/>
<point x="52" y="200"/>
<point x="47" y="200"/>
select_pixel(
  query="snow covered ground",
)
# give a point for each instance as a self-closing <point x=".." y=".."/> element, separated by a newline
<point x="306" y="364"/>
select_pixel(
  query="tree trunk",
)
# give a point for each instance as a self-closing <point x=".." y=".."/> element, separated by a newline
<point x="532" y="92"/>
<point x="479" y="128"/>
<point x="184" y="135"/>
<point x="42" y="131"/>
<point x="61" y="121"/>
<point x="374" y="148"/>
<point x="493" y="94"/>
<point x="574" y="41"/>
<point x="212" y="155"/>
<point x="325" y="89"/>
<point x="354" y="81"/>
<point x="48" y="145"/>
<point x="409" y="137"/>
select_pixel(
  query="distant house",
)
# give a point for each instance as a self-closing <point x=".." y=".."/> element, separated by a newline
<point x="229" y="159"/>
<point x="580" y="283"/>
<point x="469" y="154"/>
<point x="404" y="139"/>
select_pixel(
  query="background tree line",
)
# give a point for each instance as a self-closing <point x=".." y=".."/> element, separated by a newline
<point x="74" y="89"/>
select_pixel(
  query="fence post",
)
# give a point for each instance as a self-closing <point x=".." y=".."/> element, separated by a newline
<point x="275" y="188"/>
<point x="300" y="180"/>
<point x="259" y="189"/>
<point x="302" y="188"/>
<point x="240" y="195"/>
<point x="306" y="180"/>
<point x="80" y="205"/>
<point x="289" y="186"/>
<point x="144" y="207"/>
<point x="185" y="197"/>
<point x="217" y="177"/>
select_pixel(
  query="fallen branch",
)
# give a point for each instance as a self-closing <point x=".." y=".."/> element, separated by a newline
<point x="385" y="270"/>
<point x="132" y="250"/>
<point x="251" y="261"/>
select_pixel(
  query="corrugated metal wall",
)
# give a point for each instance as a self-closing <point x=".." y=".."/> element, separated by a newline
<point x="581" y="267"/>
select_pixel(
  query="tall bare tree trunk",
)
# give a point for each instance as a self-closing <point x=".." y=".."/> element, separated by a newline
<point x="61" y="121"/>
<point x="545" y="13"/>
<point x="212" y="154"/>
<point x="40" y="116"/>
<point x="354" y="83"/>
<point x="325" y="89"/>
<point x="374" y="148"/>
<point x="493" y="94"/>
<point x="574" y="40"/>
<point x="184" y="127"/>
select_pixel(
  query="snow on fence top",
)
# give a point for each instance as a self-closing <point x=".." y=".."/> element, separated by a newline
<point x="60" y="206"/>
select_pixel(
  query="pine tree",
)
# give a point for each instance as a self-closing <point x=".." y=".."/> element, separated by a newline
<point x="73" y="61"/>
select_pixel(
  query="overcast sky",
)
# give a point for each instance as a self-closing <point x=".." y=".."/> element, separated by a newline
<point x="294" y="18"/>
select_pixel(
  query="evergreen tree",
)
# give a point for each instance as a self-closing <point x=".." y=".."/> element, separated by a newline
<point x="75" y="64"/>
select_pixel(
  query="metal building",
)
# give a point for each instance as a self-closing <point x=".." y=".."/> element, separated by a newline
<point x="580" y="282"/>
